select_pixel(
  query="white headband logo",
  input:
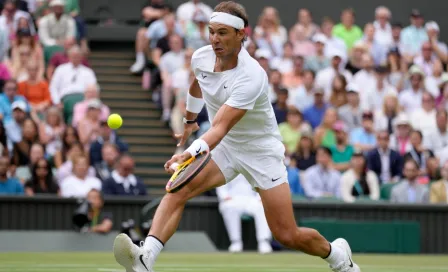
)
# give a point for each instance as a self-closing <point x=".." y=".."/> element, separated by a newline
<point x="227" y="19"/>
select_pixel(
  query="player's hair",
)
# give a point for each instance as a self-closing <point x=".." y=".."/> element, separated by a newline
<point x="235" y="9"/>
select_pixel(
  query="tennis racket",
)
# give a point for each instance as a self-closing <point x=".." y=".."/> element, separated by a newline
<point x="186" y="171"/>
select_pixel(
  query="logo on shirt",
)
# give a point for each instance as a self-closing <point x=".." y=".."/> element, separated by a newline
<point x="225" y="87"/>
<point x="273" y="180"/>
<point x="203" y="76"/>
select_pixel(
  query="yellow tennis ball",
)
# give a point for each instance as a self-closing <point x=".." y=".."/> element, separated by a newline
<point x="114" y="121"/>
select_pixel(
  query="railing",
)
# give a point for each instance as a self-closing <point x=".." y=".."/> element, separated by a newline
<point x="51" y="213"/>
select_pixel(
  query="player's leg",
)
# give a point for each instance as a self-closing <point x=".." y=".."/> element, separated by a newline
<point x="231" y="211"/>
<point x="254" y="207"/>
<point x="279" y="214"/>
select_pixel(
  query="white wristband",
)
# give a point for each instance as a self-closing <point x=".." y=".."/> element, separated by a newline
<point x="197" y="147"/>
<point x="194" y="104"/>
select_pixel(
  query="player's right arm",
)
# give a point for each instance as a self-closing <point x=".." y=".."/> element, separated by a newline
<point x="195" y="92"/>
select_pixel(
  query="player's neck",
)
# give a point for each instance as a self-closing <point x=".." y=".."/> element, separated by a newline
<point x="228" y="62"/>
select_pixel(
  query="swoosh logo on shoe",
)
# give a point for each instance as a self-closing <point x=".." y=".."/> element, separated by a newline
<point x="143" y="263"/>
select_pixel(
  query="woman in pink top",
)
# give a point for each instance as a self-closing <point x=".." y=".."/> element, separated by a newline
<point x="89" y="127"/>
<point x="302" y="46"/>
<point x="80" y="109"/>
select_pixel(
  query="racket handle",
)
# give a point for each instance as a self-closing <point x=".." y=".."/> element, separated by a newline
<point x="174" y="166"/>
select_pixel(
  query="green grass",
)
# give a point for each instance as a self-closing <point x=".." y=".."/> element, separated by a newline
<point x="219" y="262"/>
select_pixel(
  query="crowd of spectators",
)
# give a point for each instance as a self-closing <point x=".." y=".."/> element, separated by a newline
<point x="360" y="108"/>
<point x="54" y="137"/>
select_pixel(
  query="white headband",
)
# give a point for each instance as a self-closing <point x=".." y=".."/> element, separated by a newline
<point x="227" y="19"/>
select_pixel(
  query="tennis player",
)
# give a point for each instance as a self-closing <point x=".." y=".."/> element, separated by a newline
<point x="244" y="138"/>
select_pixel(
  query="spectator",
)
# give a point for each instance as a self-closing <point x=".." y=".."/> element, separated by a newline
<point x="424" y="118"/>
<point x="7" y="98"/>
<point x="437" y="138"/>
<point x="293" y="80"/>
<point x="196" y="31"/>
<point x="263" y="57"/>
<point x="324" y="134"/>
<point x="123" y="181"/>
<point x="106" y="135"/>
<point x="4" y="43"/>
<point x="376" y="50"/>
<point x="385" y="116"/>
<point x="414" y="35"/>
<point x="342" y="151"/>
<point x="426" y="59"/>
<point x="305" y="154"/>
<point x="24" y="38"/>
<point x="236" y="199"/>
<point x="42" y="181"/>
<point x="359" y="181"/>
<point x="411" y="99"/>
<point x="302" y="45"/>
<point x="338" y="97"/>
<point x="440" y="49"/>
<point x="5" y="74"/>
<point x="275" y="84"/>
<point x="72" y="8"/>
<point x="21" y="149"/>
<point x="66" y="169"/>
<point x="104" y="169"/>
<point x="351" y="113"/>
<point x="8" y="185"/>
<point x="439" y="189"/>
<point x="321" y="180"/>
<point x="355" y="61"/>
<point x="385" y="162"/>
<point x="89" y="126"/>
<point x="292" y="129"/>
<point x="397" y="69"/>
<point x="169" y="63"/>
<point x="23" y="172"/>
<point x="18" y="66"/>
<point x="333" y="43"/>
<point x="79" y="183"/>
<point x="319" y="61"/>
<point x="9" y="20"/>
<point x="438" y="74"/>
<point x="397" y="45"/>
<point x="305" y="20"/>
<point x="409" y="190"/>
<point x="280" y="106"/>
<point x="51" y="131"/>
<point x="100" y="221"/>
<point x="400" y="140"/>
<point x="304" y="95"/>
<point x="284" y="63"/>
<point x="347" y="30"/>
<point x="69" y="137"/>
<point x="383" y="28"/>
<point x="314" y="114"/>
<point x="3" y="141"/>
<point x="252" y="47"/>
<point x="55" y="28"/>
<point x="79" y="111"/>
<point x="14" y="127"/>
<point x="432" y="170"/>
<point x="324" y="78"/>
<point x="375" y="93"/>
<point x="363" y="138"/>
<point x="60" y="58"/>
<point x="35" y="89"/>
<point x="294" y="177"/>
<point x="69" y="83"/>
<point x="185" y="12"/>
<point x="418" y="153"/>
<point x="365" y="76"/>
<point x="269" y="33"/>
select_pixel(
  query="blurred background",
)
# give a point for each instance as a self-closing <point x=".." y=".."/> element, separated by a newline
<point x="359" y="91"/>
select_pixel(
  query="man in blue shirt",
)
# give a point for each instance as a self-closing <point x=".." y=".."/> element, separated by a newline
<point x="363" y="138"/>
<point x="413" y="36"/>
<point x="315" y="113"/>
<point x="9" y="186"/>
<point x="9" y="96"/>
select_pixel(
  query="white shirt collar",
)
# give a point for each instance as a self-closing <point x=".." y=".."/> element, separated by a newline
<point x="126" y="181"/>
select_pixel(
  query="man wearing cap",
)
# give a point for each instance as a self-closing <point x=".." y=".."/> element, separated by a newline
<point x="363" y="138"/>
<point x="342" y="152"/>
<point x="14" y="127"/>
<point x="440" y="48"/>
<point x="324" y="78"/>
<point x="373" y="99"/>
<point x="56" y="27"/>
<point x="414" y="35"/>
<point x="383" y="29"/>
<point x="351" y="113"/>
<point x="314" y="114"/>
<point x="9" y="96"/>
<point x="263" y="56"/>
<point x="400" y="140"/>
<point x="411" y="99"/>
<point x="318" y="61"/>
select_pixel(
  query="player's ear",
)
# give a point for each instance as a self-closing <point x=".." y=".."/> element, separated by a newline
<point x="241" y="34"/>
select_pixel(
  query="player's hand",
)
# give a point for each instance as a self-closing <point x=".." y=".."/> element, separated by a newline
<point x="179" y="158"/>
<point x="188" y="130"/>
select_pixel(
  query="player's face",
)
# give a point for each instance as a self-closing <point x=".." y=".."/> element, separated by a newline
<point x="224" y="39"/>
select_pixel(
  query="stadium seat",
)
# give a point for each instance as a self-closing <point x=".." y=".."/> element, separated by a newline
<point x="69" y="102"/>
<point x="49" y="51"/>
<point x="386" y="190"/>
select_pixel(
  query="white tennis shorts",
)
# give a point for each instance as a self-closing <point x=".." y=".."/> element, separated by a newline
<point x="261" y="164"/>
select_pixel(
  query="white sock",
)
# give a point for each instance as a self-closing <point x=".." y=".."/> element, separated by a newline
<point x="140" y="57"/>
<point x="336" y="256"/>
<point x="154" y="246"/>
